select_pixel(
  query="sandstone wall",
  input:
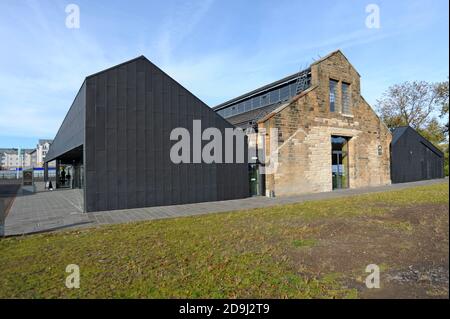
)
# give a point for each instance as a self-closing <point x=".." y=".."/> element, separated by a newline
<point x="305" y="129"/>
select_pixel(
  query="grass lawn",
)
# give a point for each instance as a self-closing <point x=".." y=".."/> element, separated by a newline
<point x="316" y="249"/>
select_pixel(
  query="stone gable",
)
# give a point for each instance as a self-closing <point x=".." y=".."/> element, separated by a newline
<point x="305" y="127"/>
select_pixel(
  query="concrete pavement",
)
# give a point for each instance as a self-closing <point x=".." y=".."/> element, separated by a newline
<point x="62" y="208"/>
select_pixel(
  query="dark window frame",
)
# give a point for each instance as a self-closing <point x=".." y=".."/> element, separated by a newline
<point x="274" y="96"/>
<point x="265" y="99"/>
<point x="332" y="94"/>
<point x="256" y="102"/>
<point x="346" y="98"/>
<point x="285" y="93"/>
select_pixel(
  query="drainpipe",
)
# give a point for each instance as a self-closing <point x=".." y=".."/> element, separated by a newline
<point x="18" y="166"/>
<point x="261" y="177"/>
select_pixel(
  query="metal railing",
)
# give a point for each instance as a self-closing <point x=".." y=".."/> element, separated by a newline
<point x="9" y="175"/>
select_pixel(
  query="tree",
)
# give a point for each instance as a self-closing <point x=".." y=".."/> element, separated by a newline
<point x="409" y="103"/>
<point x="433" y="132"/>
<point x="442" y="90"/>
<point x="418" y="104"/>
<point x="445" y="149"/>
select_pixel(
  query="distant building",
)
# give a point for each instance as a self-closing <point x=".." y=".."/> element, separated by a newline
<point x="25" y="158"/>
<point x="33" y="156"/>
<point x="41" y="151"/>
<point x="11" y="158"/>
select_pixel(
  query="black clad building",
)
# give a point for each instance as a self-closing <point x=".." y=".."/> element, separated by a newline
<point x="413" y="157"/>
<point x="116" y="136"/>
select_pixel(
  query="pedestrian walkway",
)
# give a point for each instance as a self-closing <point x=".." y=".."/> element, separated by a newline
<point x="62" y="209"/>
<point x="45" y="211"/>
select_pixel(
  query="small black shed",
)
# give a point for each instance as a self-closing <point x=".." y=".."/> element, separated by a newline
<point x="413" y="157"/>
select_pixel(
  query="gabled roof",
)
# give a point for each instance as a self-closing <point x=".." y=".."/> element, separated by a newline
<point x="118" y="65"/>
<point x="255" y="115"/>
<point x="58" y="145"/>
<point x="43" y="141"/>
<point x="64" y="143"/>
<point x="9" y="150"/>
<point x="401" y="130"/>
<point x="338" y="51"/>
<point x="397" y="133"/>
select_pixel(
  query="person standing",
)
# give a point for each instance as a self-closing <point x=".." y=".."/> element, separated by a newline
<point x="68" y="179"/>
<point x="63" y="177"/>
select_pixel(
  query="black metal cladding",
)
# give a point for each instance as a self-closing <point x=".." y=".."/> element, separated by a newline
<point x="130" y="111"/>
<point x="71" y="133"/>
<point x="414" y="158"/>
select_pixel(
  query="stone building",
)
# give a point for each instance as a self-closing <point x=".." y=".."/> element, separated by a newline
<point x="328" y="135"/>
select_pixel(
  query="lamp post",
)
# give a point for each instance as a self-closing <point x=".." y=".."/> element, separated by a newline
<point x="18" y="160"/>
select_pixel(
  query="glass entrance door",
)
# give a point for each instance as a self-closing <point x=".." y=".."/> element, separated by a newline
<point x="339" y="162"/>
<point x="253" y="176"/>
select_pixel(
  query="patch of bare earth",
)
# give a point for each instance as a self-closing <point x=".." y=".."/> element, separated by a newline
<point x="410" y="244"/>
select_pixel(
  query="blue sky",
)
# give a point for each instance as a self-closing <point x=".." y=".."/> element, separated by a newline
<point x="217" y="49"/>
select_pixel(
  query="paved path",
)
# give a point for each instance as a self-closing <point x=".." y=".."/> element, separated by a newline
<point x="62" y="209"/>
<point x="7" y="194"/>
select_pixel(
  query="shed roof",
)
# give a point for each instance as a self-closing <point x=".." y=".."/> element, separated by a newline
<point x="261" y="89"/>
<point x="245" y="120"/>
